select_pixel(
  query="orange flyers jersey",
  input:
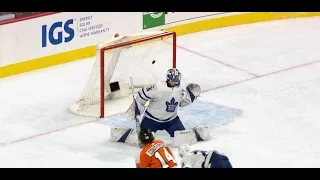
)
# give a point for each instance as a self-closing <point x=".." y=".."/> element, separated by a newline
<point x="155" y="155"/>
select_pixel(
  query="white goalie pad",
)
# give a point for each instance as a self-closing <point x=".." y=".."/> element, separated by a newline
<point x="124" y="135"/>
<point x="199" y="133"/>
<point x="203" y="132"/>
<point x="184" y="137"/>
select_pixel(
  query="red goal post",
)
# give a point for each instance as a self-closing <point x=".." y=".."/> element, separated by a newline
<point x="145" y="57"/>
<point x="136" y="41"/>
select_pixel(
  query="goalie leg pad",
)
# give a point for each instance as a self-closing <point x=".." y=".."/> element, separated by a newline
<point x="199" y="133"/>
<point x="124" y="135"/>
<point x="184" y="137"/>
<point x="202" y="133"/>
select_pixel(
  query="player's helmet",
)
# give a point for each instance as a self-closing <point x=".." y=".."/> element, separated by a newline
<point x="174" y="75"/>
<point x="146" y="136"/>
<point x="183" y="149"/>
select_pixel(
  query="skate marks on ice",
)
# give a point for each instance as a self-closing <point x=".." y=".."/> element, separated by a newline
<point x="199" y="113"/>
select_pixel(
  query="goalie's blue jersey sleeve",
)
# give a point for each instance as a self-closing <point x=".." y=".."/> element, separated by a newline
<point x="163" y="101"/>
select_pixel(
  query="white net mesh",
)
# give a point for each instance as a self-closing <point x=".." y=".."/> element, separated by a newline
<point x="145" y="62"/>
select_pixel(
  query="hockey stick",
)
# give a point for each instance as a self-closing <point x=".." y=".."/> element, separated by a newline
<point x="136" y="112"/>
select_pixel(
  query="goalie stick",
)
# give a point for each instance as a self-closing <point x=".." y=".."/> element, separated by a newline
<point x="136" y="113"/>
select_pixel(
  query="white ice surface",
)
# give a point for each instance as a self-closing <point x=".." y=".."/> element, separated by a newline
<point x="279" y="125"/>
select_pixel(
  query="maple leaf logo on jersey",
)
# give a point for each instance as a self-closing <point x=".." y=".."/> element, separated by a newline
<point x="171" y="106"/>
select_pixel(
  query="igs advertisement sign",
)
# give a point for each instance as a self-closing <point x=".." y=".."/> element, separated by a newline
<point x="80" y="27"/>
<point x="57" y="33"/>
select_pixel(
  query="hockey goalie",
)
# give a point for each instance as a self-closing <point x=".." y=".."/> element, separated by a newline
<point x="158" y="105"/>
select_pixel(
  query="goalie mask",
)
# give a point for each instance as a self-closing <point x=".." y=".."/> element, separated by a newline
<point x="146" y="136"/>
<point x="174" y="75"/>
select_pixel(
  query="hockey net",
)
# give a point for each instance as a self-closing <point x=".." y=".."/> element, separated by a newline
<point x="123" y="65"/>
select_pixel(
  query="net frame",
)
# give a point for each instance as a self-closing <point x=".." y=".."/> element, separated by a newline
<point x="131" y="42"/>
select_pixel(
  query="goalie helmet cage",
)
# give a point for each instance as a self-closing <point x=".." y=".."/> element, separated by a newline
<point x="138" y="56"/>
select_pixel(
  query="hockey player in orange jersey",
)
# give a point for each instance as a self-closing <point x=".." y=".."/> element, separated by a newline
<point x="155" y="153"/>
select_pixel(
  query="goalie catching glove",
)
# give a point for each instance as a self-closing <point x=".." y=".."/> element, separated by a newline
<point x="192" y="93"/>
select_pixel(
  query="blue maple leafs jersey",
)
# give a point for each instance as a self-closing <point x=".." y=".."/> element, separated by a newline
<point x="163" y="101"/>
